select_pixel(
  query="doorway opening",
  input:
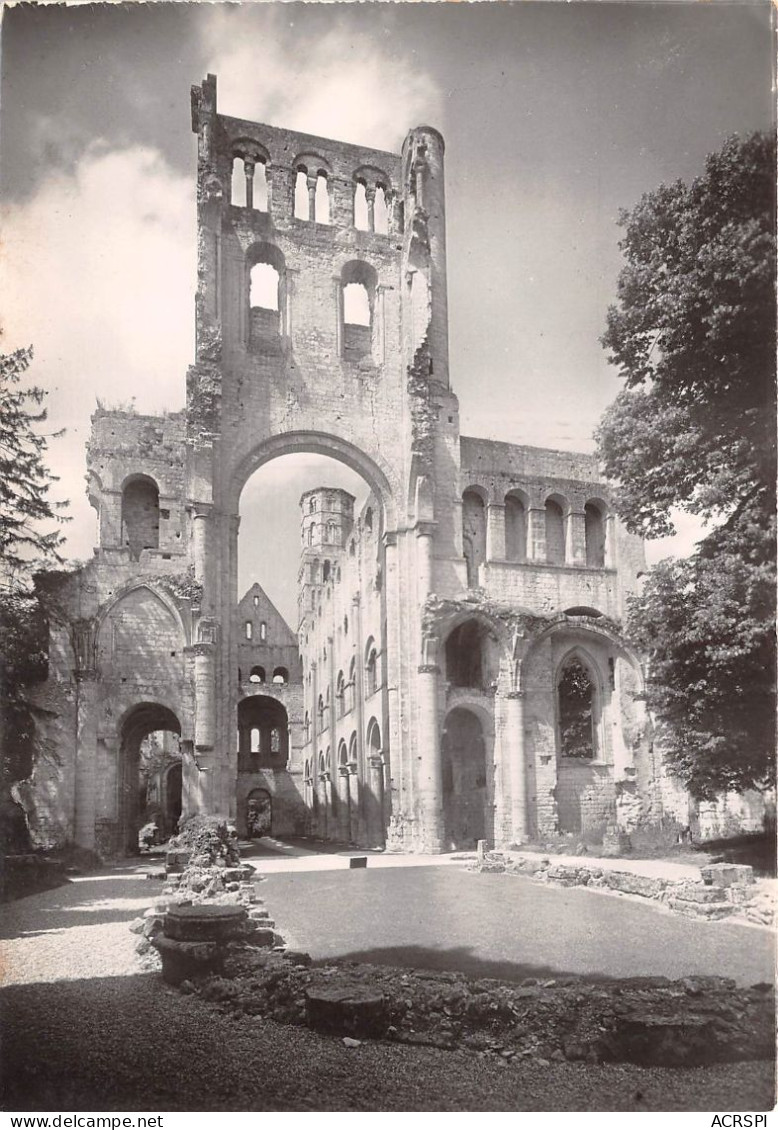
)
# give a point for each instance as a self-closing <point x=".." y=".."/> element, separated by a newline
<point x="149" y="751"/>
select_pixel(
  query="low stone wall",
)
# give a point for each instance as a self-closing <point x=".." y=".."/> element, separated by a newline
<point x="723" y="889"/>
<point x="696" y="1021"/>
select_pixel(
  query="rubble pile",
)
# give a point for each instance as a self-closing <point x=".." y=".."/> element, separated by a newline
<point x="203" y="867"/>
<point x="692" y="1022"/>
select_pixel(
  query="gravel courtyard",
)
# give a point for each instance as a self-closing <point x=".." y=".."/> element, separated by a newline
<point x="84" y="1030"/>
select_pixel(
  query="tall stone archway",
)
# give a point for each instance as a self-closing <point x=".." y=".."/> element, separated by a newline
<point x="138" y="722"/>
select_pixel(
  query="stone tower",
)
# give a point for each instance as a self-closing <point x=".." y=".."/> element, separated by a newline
<point x="326" y="521"/>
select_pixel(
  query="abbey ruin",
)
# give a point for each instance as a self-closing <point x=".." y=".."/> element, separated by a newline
<point x="457" y="671"/>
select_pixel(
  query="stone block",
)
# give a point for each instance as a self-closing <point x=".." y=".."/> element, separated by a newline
<point x="183" y="961"/>
<point x="696" y="892"/>
<point x="205" y="922"/>
<point x="353" y="1010"/>
<point x="701" y="910"/>
<point x="727" y="874"/>
<point x="630" y="884"/>
<point x="176" y="861"/>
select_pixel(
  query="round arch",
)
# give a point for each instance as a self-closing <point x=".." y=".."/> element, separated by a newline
<point x="135" y="724"/>
<point x="317" y="443"/>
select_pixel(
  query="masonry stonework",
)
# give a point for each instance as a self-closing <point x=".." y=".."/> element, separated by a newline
<point x="458" y="670"/>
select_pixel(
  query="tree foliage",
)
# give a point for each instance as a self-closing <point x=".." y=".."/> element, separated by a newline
<point x="25" y="480"/>
<point x="694" y="336"/>
<point x="25" y="546"/>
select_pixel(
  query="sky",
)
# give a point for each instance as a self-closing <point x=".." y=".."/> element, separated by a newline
<point x="555" y="115"/>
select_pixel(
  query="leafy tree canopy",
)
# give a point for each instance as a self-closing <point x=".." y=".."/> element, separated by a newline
<point x="694" y="336"/>
<point x="25" y="480"/>
<point x="25" y="546"/>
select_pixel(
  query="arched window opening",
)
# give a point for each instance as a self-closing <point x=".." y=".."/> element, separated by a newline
<point x="356" y="305"/>
<point x="263" y="727"/>
<point x="322" y="199"/>
<point x="371" y="672"/>
<point x="555" y="533"/>
<point x="359" y="283"/>
<point x="352" y="749"/>
<point x="263" y="631"/>
<point x="345" y="625"/>
<point x="381" y="211"/>
<point x="594" y="527"/>
<point x="267" y="296"/>
<point x="360" y="206"/>
<point x="473" y="534"/>
<point x="315" y="571"/>
<point x="256" y="601"/>
<point x="515" y="529"/>
<point x="310" y="535"/>
<point x="257" y="675"/>
<point x="307" y="729"/>
<point x="351" y="685"/>
<point x="576" y="697"/>
<point x="249" y="630"/>
<point x="264" y="282"/>
<point x="238" y="183"/>
<point x="325" y="573"/>
<point x="301" y="209"/>
<point x="465" y="666"/>
<point x="280" y="676"/>
<point x="320" y="711"/>
<point x="140" y="515"/>
<point x="332" y="533"/>
<point x="340" y="695"/>
<point x="368" y="520"/>
<point x="312" y="506"/>
<point x="352" y="549"/>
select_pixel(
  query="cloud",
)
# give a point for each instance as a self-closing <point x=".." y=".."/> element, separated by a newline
<point x="99" y="276"/>
<point x="342" y="84"/>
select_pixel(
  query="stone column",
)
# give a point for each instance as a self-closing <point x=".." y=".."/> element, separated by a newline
<point x="398" y="783"/>
<point x="202" y="520"/>
<point x="575" y="550"/>
<point x="86" y="761"/>
<point x="536" y="534"/>
<point x="514" y="718"/>
<point x="429" y="780"/>
<point x="376" y="835"/>
<point x="311" y="180"/>
<point x="205" y="706"/>
<point x="344" y="792"/>
<point x="370" y="198"/>
<point x="248" y="168"/>
<point x="495" y="531"/>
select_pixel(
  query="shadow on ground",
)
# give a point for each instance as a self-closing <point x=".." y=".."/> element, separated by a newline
<point x="462" y="959"/>
<point x="130" y="1043"/>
